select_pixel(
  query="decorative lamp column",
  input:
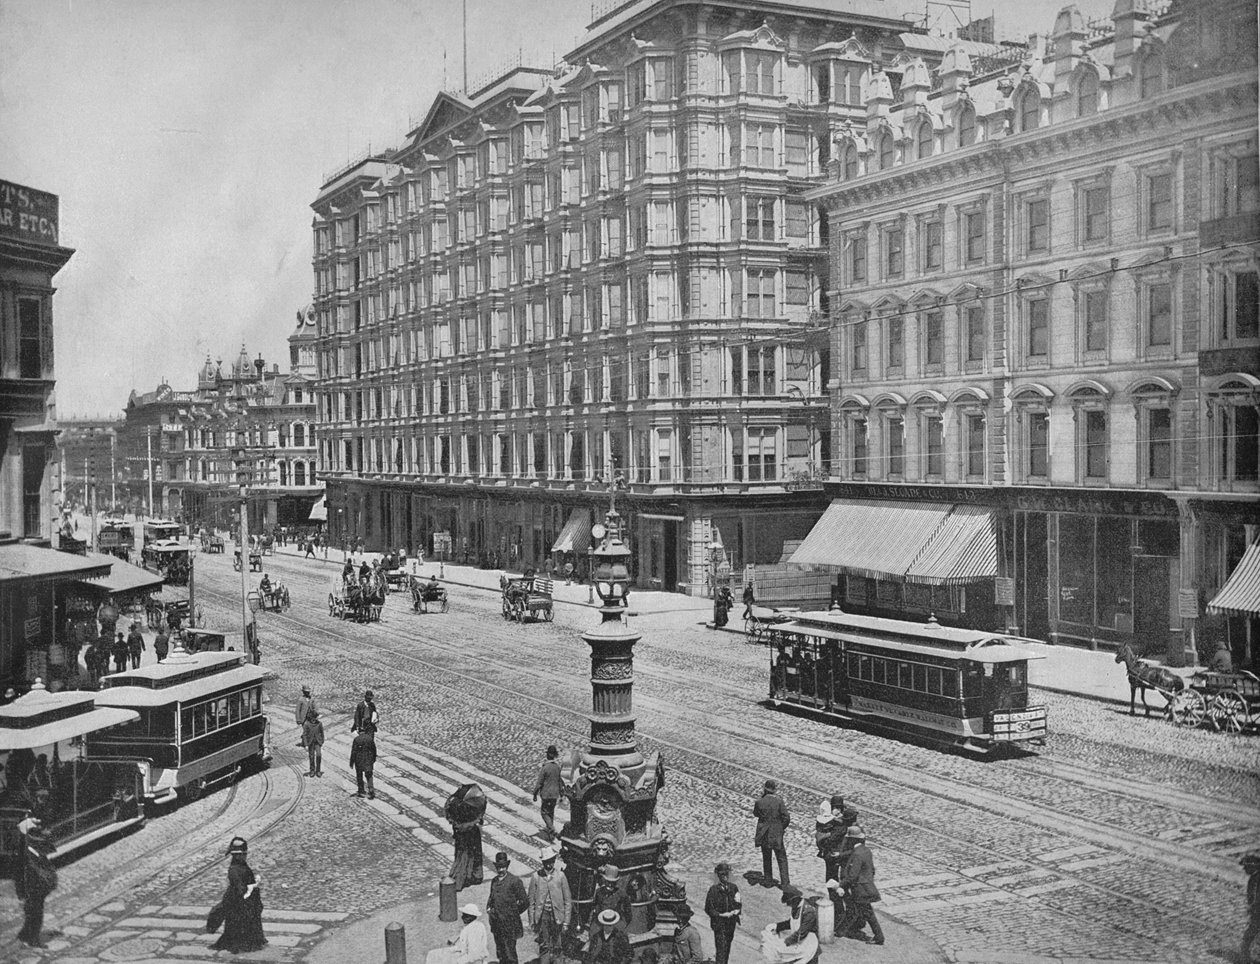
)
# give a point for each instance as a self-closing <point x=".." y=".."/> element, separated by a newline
<point x="612" y="787"/>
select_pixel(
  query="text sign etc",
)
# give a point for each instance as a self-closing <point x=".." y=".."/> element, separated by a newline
<point x="28" y="214"/>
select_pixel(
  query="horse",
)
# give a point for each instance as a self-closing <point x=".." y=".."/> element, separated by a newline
<point x="1143" y="676"/>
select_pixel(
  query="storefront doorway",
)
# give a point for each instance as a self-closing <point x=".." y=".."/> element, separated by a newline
<point x="1151" y="595"/>
<point x="1031" y="608"/>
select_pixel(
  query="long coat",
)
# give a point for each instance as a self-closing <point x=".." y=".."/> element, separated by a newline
<point x="505" y="905"/>
<point x="363" y="752"/>
<point x="610" y="948"/>
<point x="558" y="886"/>
<point x="772" y="819"/>
<point x="859" y="875"/>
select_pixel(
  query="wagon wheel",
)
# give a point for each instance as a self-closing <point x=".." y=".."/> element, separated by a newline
<point x="549" y="614"/>
<point x="332" y="605"/>
<point x="1187" y="708"/>
<point x="443" y="601"/>
<point x="1229" y="712"/>
<point x="192" y="790"/>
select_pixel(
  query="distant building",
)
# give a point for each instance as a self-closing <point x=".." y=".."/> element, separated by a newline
<point x="86" y="448"/>
<point x="604" y="272"/>
<point x="1046" y="319"/>
<point x="247" y="419"/>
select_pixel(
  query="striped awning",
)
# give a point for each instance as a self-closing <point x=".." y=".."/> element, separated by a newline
<point x="868" y="537"/>
<point x="576" y="534"/>
<point x="963" y="550"/>
<point x="1240" y="595"/>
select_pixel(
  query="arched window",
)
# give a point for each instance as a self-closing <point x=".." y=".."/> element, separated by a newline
<point x="1087" y="94"/>
<point x="284" y="473"/>
<point x="887" y="152"/>
<point x="966" y="126"/>
<point x="924" y="139"/>
<point x="299" y="435"/>
<point x="1029" y="108"/>
<point x="299" y="473"/>
<point x="1151" y="75"/>
<point x="849" y="161"/>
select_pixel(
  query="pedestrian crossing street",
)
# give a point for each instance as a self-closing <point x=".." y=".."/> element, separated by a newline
<point x="413" y="783"/>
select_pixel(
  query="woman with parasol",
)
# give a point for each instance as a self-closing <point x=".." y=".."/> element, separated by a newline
<point x="465" y="809"/>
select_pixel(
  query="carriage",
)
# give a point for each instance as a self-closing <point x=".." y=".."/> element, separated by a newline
<point x="1229" y="702"/>
<point x="212" y="542"/>
<point x="760" y="622"/>
<point x="427" y="597"/>
<point x="275" y="599"/>
<point x="255" y="561"/>
<point x="115" y="538"/>
<point x="361" y="601"/>
<point x="527" y="597"/>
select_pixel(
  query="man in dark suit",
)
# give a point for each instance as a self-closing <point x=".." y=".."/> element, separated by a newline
<point x="504" y="908"/>
<point x="365" y="716"/>
<point x="363" y="759"/>
<point x="723" y="906"/>
<point x="858" y="877"/>
<point x="608" y="944"/>
<point x="548" y="786"/>
<point x="772" y="820"/>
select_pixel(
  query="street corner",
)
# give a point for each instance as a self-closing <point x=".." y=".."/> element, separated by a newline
<point x="421" y="928"/>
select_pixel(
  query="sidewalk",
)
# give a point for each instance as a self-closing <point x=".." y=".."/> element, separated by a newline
<point x="425" y="932"/>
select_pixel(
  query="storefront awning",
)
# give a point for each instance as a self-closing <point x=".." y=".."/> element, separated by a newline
<point x="963" y="550"/>
<point x="1240" y="595"/>
<point x="122" y="577"/>
<point x="319" y="511"/>
<point x="576" y="534"/>
<point x="19" y="561"/>
<point x="867" y="537"/>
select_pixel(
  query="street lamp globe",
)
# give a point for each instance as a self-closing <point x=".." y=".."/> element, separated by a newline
<point x="612" y="570"/>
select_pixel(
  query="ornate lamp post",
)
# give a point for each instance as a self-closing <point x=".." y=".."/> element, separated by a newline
<point x="612" y="786"/>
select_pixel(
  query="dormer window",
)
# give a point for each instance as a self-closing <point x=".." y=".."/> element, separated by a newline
<point x="966" y="125"/>
<point x="1029" y="108"/>
<point x="925" y="139"/>
<point x="887" y="152"/>
<point x="1087" y="94"/>
<point x="1151" y="75"/>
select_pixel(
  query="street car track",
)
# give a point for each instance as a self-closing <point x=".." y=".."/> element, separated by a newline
<point x="207" y="833"/>
<point x="1144" y="912"/>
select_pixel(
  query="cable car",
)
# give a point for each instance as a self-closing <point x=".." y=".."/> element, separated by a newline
<point x="49" y="772"/>
<point x="961" y="686"/>
<point x="200" y="721"/>
<point x="162" y="530"/>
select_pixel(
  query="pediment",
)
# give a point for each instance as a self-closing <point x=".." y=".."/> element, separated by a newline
<point x="446" y="111"/>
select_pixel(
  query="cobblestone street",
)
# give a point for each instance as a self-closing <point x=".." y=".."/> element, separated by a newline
<point x="1117" y="841"/>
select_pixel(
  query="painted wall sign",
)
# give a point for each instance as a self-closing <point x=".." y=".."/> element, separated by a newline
<point x="28" y="214"/>
<point x="1004" y="591"/>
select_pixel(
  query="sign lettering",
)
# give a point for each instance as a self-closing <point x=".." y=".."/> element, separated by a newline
<point x="28" y="214"/>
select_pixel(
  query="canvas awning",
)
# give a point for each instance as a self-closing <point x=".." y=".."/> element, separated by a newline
<point x="122" y="577"/>
<point x="19" y="561"/>
<point x="1240" y="596"/>
<point x="963" y="550"/>
<point x="576" y="534"/>
<point x="933" y="543"/>
<point x="867" y="537"/>
<point x="319" y="511"/>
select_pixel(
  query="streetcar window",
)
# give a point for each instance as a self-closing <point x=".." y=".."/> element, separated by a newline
<point x="949" y="683"/>
<point x="221" y="712"/>
<point x="864" y="667"/>
<point x="1017" y="675"/>
<point x="903" y="675"/>
<point x="934" y="680"/>
<point x="234" y="707"/>
<point x="853" y="665"/>
<point x="879" y="666"/>
<point x="919" y="677"/>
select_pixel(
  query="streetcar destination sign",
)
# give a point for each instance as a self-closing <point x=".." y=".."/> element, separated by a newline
<point x="28" y="214"/>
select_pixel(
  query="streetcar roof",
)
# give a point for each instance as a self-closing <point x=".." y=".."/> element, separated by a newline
<point x="40" y="718"/>
<point x="167" y="547"/>
<point x="179" y="679"/>
<point x="903" y="636"/>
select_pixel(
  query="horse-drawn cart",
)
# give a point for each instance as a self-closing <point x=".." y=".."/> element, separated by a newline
<point x="427" y="597"/>
<point x="274" y="599"/>
<point x="361" y="601"/>
<point x="1227" y="701"/>
<point x="255" y="561"/>
<point x="526" y="597"/>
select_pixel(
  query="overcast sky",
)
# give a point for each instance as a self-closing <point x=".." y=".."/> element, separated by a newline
<point x="188" y="138"/>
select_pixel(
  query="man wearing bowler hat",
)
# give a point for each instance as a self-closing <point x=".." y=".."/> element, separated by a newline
<point x="609" y="943"/>
<point x="723" y="905"/>
<point x="504" y="907"/>
<point x="609" y="896"/>
<point x="688" y="948"/>
<point x="772" y="820"/>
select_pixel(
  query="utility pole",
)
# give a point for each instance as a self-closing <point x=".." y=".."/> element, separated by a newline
<point x="92" y="507"/>
<point x="243" y="472"/>
<point x="113" y="473"/>
<point x="148" y="434"/>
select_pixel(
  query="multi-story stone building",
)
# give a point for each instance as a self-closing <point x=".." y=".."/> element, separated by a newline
<point x="249" y="419"/>
<point x="603" y="272"/>
<point x="1045" y="333"/>
<point x="86" y="448"/>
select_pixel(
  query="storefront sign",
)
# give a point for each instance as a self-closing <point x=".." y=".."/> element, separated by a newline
<point x="1188" y="604"/>
<point x="442" y="542"/>
<point x="32" y="627"/>
<point x="1003" y="591"/>
<point x="1021" y="498"/>
<point x="28" y="214"/>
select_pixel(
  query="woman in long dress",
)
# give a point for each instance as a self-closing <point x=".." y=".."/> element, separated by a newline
<point x="241" y="907"/>
<point x="465" y="809"/>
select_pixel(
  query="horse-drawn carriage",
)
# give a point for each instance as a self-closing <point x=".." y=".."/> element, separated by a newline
<point x="760" y="621"/>
<point x="427" y="596"/>
<point x="255" y="561"/>
<point x="1226" y="701"/>
<point x="171" y="613"/>
<point x="212" y="542"/>
<point x="359" y="599"/>
<point x="397" y="576"/>
<point x="271" y="598"/>
<point x="527" y="597"/>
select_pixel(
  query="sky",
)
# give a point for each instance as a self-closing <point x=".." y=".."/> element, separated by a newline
<point x="186" y="140"/>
